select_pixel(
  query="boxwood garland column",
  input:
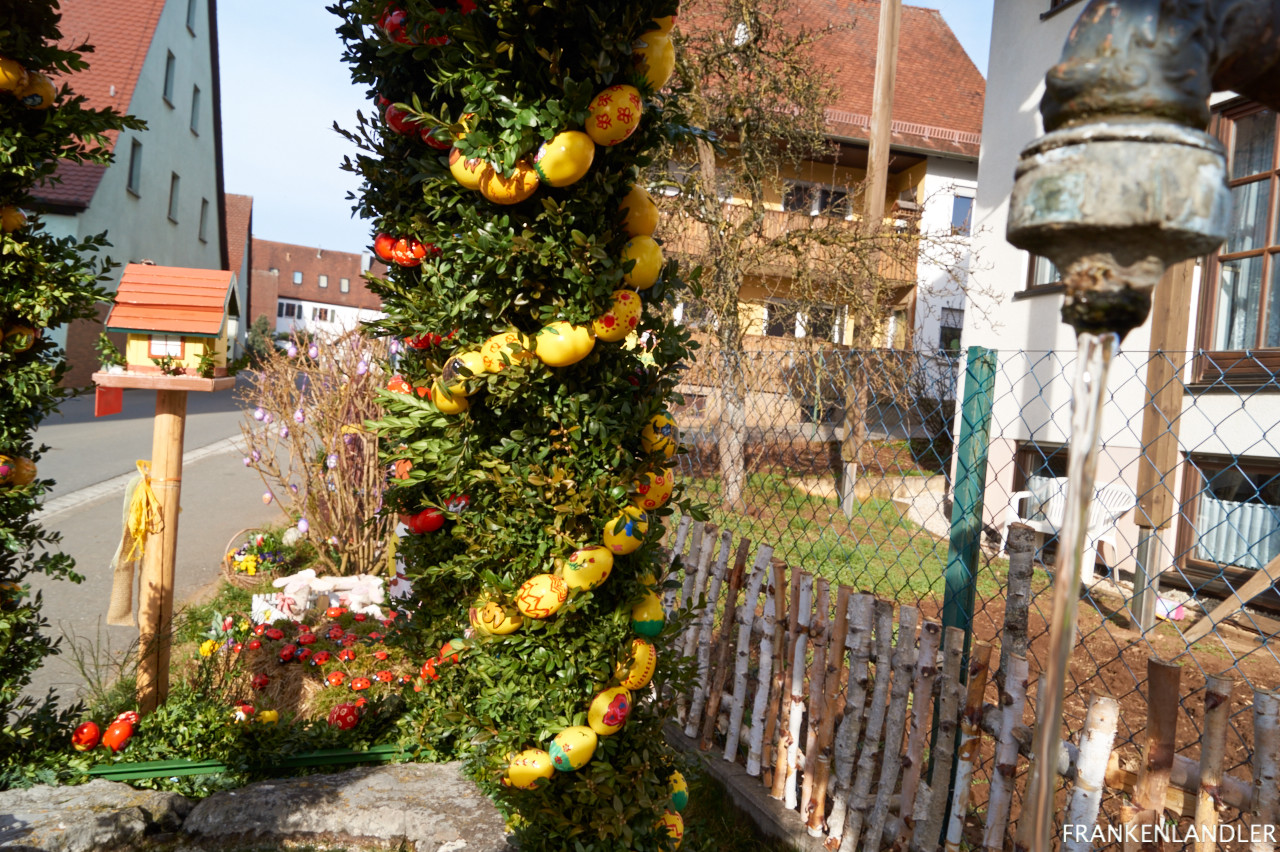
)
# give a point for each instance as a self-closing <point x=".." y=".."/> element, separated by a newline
<point x="529" y="424"/>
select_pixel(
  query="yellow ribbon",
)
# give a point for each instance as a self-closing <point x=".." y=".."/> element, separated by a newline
<point x="144" y="513"/>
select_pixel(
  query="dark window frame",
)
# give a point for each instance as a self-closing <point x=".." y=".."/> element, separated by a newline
<point x="191" y="15"/>
<point x="170" y="77"/>
<point x="175" y="187"/>
<point x="194" y="126"/>
<point x="134" y="180"/>
<point x="203" y="232"/>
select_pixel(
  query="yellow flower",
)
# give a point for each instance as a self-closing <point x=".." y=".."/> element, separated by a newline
<point x="245" y="625"/>
<point x="207" y="647"/>
<point x="269" y="717"/>
<point x="251" y="571"/>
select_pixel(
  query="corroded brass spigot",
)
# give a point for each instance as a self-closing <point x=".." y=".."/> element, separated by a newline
<point x="1126" y="182"/>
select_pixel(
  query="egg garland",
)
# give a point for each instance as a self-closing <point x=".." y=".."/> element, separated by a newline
<point x="448" y="403"/>
<point x="467" y="171"/>
<point x="679" y="791"/>
<point x="609" y="711"/>
<point x="674" y="824"/>
<point x="565" y="159"/>
<point x="654" y="57"/>
<point x="648" y="616"/>
<point x="509" y="189"/>
<point x="502" y="349"/>
<point x="16" y="472"/>
<point x="653" y="490"/>
<point x="458" y="369"/>
<point x="495" y="619"/>
<point x="12" y="219"/>
<point x="640" y="213"/>
<point x="660" y="435"/>
<point x="32" y="89"/>
<point x="12" y="75"/>
<point x="614" y="114"/>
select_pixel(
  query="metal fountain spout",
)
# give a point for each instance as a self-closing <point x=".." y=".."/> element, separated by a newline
<point x="1126" y="182"/>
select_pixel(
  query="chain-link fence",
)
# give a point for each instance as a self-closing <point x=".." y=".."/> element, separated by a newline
<point x="844" y="462"/>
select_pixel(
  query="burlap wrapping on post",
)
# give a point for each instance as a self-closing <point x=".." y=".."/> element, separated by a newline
<point x="141" y="518"/>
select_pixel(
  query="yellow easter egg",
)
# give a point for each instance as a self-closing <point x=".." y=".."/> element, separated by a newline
<point x="38" y="93"/>
<point x="11" y="219"/>
<point x="528" y="769"/>
<point x="565" y="159"/>
<point x="609" y="711"/>
<point x="17" y="472"/>
<point x="542" y="596"/>
<point x="641" y="213"/>
<point x="660" y="435"/>
<point x="648" y="257"/>
<point x="647" y="617"/>
<point x="679" y="791"/>
<point x="512" y="345"/>
<point x="654" y="489"/>
<point x="665" y="24"/>
<point x="614" y="115"/>
<point x="448" y="404"/>
<point x="636" y="671"/>
<point x="466" y="171"/>
<point x="490" y="617"/>
<point x="675" y="826"/>
<point x="501" y="189"/>
<point x="12" y="75"/>
<point x="561" y="344"/>
<point x="458" y="369"/>
<point x="621" y="318"/>
<point x="654" y="56"/>
<point x="625" y="533"/>
<point x="572" y="748"/>
<point x="588" y="567"/>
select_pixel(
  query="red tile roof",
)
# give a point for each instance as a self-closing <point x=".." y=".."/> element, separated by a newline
<point x="239" y="227"/>
<point x="312" y="263"/>
<point x="170" y="299"/>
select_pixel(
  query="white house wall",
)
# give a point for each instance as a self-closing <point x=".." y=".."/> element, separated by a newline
<point x="343" y="318"/>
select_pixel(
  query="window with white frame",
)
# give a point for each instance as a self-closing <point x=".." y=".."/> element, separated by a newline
<point x="816" y="199"/>
<point x="961" y="215"/>
<point x="787" y="319"/>
<point x="164" y="345"/>
<point x="323" y="281"/>
<point x="344" y="285"/>
<point x="950" y="330"/>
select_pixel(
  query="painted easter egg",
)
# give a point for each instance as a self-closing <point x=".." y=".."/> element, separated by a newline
<point x="38" y="93"/>
<point x="614" y="115"/>
<point x="448" y="404"/>
<point x="458" y="369"/>
<point x="561" y="344"/>
<point x="503" y="189"/>
<point x="654" y="57"/>
<point x="17" y="472"/>
<point x="647" y="616"/>
<point x="640" y="213"/>
<point x="466" y="170"/>
<point x="675" y="826"/>
<point x="12" y="75"/>
<point x="490" y="617"/>
<point x="572" y="748"/>
<point x="118" y="734"/>
<point x="625" y="533"/>
<point x="660" y="435"/>
<point x="528" y="769"/>
<point x="648" y="257"/>
<point x="636" y="671"/>
<point x="679" y="791"/>
<point x="609" y="711"/>
<point x="85" y="736"/>
<point x="344" y="717"/>
<point x="11" y="219"/>
<point x="587" y="567"/>
<point x="509" y="345"/>
<point x="654" y="489"/>
<point x="665" y="24"/>
<point x="541" y="596"/>
<point x="621" y="318"/>
<point x="565" y="159"/>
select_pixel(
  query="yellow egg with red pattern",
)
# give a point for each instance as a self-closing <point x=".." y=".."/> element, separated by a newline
<point x="640" y="213"/>
<point x="609" y="710"/>
<point x="647" y="255"/>
<point x="614" y="115"/>
<point x="572" y="748"/>
<point x="509" y="189"/>
<point x="562" y="344"/>
<point x="637" y="669"/>
<point x="542" y="596"/>
<point x="622" y="317"/>
<point x="654" y="56"/>
<point x="625" y="533"/>
<point x="565" y="159"/>
<point x="467" y="171"/>
<point x="674" y="824"/>
<point x="654" y="489"/>
<point x="528" y="769"/>
<point x="660" y="435"/>
<point x="504" y="348"/>
<point x="587" y="567"/>
<point x="647" y="616"/>
<point x="493" y="618"/>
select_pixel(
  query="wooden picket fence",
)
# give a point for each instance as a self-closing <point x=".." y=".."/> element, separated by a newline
<point x="832" y="710"/>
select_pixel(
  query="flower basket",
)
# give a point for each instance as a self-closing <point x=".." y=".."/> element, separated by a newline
<point x="249" y="558"/>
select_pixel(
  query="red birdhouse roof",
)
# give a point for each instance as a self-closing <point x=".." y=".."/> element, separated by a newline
<point x="171" y="300"/>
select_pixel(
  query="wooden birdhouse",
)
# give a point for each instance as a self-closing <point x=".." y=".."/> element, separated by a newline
<point x="175" y="319"/>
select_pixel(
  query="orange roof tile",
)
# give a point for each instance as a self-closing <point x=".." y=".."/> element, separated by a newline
<point x="170" y="299"/>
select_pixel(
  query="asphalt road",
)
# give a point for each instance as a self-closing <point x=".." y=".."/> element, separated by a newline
<point x="92" y="460"/>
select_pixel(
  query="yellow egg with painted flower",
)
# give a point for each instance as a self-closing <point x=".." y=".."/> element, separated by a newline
<point x="609" y="710"/>
<point x="587" y="567"/>
<point x="660" y="435"/>
<point x="528" y="769"/>
<point x="625" y="533"/>
<point x="653" y="490"/>
<point x="508" y="347"/>
<point x="614" y="114"/>
<point x="572" y="748"/>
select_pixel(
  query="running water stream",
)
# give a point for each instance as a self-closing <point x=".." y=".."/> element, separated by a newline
<point x="1094" y="354"/>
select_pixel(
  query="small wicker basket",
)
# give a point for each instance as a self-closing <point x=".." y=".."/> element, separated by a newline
<point x="239" y="579"/>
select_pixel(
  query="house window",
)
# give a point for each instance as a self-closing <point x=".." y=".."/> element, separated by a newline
<point x="950" y="330"/>
<point x="204" y="220"/>
<point x="191" y="15"/>
<point x="320" y="314"/>
<point x="174" y="180"/>
<point x="195" y="110"/>
<point x="816" y="200"/>
<point x="780" y="320"/>
<point x="297" y="277"/>
<point x="287" y="309"/>
<point x="1042" y="273"/>
<point x="170" y="71"/>
<point x="134" y="184"/>
<point x="323" y="281"/>
<point x="819" y="322"/>
<point x="164" y="345"/>
<point x="344" y="285"/>
<point x="961" y="215"/>
<point x="1036" y="462"/>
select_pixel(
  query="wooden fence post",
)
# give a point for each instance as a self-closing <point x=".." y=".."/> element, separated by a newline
<point x="1147" y="806"/>
<point x="929" y="801"/>
<point x="904" y="660"/>
<point x="795" y="703"/>
<point x="778" y="570"/>
<point x="743" y="662"/>
<point x="970" y="741"/>
<point x="922" y="692"/>
<point x="1266" y="770"/>
<point x="861" y="617"/>
<point x="1091" y="770"/>
<point x="724" y="643"/>
<point x="1013" y="697"/>
<point x="1213" y="746"/>
<point x="860" y="801"/>
<point x="826" y="732"/>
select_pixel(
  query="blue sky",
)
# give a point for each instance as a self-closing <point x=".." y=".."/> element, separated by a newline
<point x="284" y="85"/>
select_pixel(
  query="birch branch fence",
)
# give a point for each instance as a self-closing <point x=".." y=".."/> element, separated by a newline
<point x="867" y="727"/>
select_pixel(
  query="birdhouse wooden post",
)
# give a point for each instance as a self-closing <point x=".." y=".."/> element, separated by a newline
<point x="176" y="323"/>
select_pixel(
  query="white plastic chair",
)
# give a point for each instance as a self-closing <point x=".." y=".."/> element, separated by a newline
<point x="1046" y="509"/>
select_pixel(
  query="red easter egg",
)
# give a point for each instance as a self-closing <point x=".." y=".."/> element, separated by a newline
<point x="86" y="736"/>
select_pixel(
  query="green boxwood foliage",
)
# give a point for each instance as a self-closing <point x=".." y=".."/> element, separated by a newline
<point x="545" y="456"/>
<point x="45" y="281"/>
